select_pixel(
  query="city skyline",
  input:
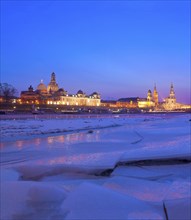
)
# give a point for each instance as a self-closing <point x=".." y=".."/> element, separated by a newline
<point x="53" y="82"/>
<point x="117" y="48"/>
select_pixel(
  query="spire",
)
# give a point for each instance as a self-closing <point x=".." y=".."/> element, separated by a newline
<point x="53" y="77"/>
<point x="171" y="88"/>
<point x="149" y="95"/>
<point x="172" y="93"/>
<point x="155" y="95"/>
<point x="52" y="86"/>
<point x="155" y="89"/>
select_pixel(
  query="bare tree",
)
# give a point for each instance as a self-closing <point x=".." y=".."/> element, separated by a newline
<point x="7" y="91"/>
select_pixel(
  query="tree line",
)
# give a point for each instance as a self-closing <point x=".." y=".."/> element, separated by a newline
<point x="7" y="91"/>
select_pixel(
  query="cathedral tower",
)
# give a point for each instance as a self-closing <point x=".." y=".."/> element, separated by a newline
<point x="172" y="93"/>
<point x="155" y="96"/>
<point x="52" y="86"/>
<point x="170" y="102"/>
<point x="149" y="96"/>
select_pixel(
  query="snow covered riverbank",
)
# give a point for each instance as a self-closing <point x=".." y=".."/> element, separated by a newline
<point x="96" y="167"/>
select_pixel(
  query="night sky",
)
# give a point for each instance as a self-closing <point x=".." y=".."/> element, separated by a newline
<point x="117" y="48"/>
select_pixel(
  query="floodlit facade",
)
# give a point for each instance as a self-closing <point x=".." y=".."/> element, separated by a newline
<point x="155" y="96"/>
<point x="53" y="95"/>
<point x="170" y="101"/>
<point x="30" y="96"/>
<point x="52" y="86"/>
<point x="151" y="101"/>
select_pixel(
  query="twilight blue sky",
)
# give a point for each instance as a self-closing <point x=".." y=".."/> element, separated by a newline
<point x="117" y="48"/>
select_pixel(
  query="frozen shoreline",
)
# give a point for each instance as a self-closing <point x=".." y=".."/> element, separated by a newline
<point x="10" y="116"/>
<point x="142" y="162"/>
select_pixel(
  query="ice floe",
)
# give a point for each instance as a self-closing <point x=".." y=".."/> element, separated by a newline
<point x="127" y="167"/>
<point x="90" y="201"/>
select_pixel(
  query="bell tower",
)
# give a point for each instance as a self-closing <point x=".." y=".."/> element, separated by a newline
<point x="52" y="86"/>
<point x="53" y="78"/>
<point x="172" y="93"/>
<point x="155" y="96"/>
<point x="149" y="96"/>
<point x="170" y="102"/>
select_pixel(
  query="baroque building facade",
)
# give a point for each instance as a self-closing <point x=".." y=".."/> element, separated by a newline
<point x="151" y="101"/>
<point x="52" y="86"/>
<point x="170" y="101"/>
<point x="155" y="96"/>
<point x="53" y="95"/>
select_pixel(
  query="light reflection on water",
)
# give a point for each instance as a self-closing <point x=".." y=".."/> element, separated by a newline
<point x="50" y="141"/>
<point x="74" y="137"/>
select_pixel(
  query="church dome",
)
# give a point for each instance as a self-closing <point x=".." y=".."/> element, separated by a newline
<point x="80" y="92"/>
<point x="95" y="95"/>
<point x="42" y="87"/>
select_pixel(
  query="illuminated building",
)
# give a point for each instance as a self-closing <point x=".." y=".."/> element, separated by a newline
<point x="149" y="96"/>
<point x="41" y="88"/>
<point x="75" y="100"/>
<point x="52" y="86"/>
<point x="109" y="103"/>
<point x="170" y="101"/>
<point x="30" y="96"/>
<point x="146" y="102"/>
<point x="155" y="96"/>
<point x="53" y="95"/>
<point x="131" y="102"/>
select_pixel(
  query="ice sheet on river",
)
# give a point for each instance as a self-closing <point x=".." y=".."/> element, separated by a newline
<point x="23" y="128"/>
<point x="90" y="201"/>
<point x="130" y="171"/>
